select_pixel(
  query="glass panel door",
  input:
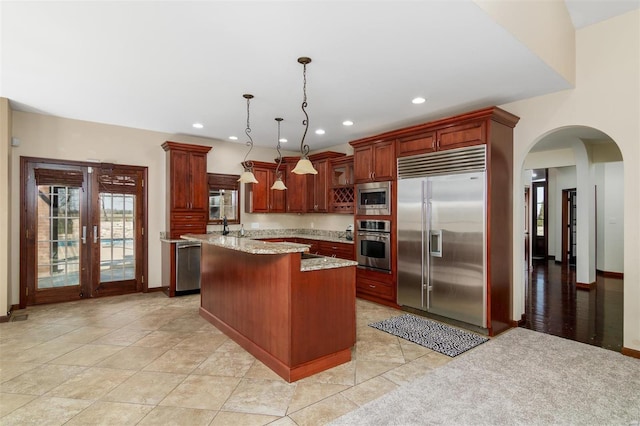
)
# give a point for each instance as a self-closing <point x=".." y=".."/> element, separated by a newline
<point x="82" y="230"/>
<point x="58" y="237"/>
<point x="117" y="237"/>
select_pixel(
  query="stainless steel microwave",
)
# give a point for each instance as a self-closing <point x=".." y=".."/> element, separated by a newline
<point x="373" y="198"/>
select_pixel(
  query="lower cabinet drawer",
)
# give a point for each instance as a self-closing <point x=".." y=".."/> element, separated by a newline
<point x="376" y="288"/>
<point x="340" y="250"/>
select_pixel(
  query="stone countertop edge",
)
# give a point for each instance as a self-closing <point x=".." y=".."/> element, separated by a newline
<point x="325" y="262"/>
<point x="247" y="245"/>
<point x="305" y="236"/>
<point x="264" y="247"/>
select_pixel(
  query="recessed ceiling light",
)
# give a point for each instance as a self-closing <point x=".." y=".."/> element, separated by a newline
<point x="283" y="140"/>
<point x="418" y="100"/>
<point x="347" y="123"/>
<point x="198" y="125"/>
<point x="319" y="132"/>
<point x="233" y="138"/>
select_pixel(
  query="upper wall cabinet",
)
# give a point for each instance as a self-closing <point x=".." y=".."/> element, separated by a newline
<point x="259" y="197"/>
<point x="310" y="193"/>
<point x="318" y="198"/>
<point x="187" y="188"/>
<point x="373" y="161"/>
<point x="341" y="181"/>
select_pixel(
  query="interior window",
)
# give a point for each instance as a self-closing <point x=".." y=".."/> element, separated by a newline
<point x="224" y="198"/>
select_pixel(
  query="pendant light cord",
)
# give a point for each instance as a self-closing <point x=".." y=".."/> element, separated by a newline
<point x="278" y="172"/>
<point x="247" y="131"/>
<point x="304" y="149"/>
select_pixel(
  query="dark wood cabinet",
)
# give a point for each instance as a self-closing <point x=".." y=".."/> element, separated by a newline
<point x="318" y="199"/>
<point x="461" y="135"/>
<point x="441" y="135"/>
<point x="418" y="144"/>
<point x="187" y="188"/>
<point x="314" y="246"/>
<point x="257" y="194"/>
<point x="310" y="193"/>
<point x="341" y="198"/>
<point x="259" y="197"/>
<point x="277" y="198"/>
<point x="187" y="201"/>
<point x="373" y="161"/>
<point x="376" y="286"/>
<point x="335" y="249"/>
<point x="318" y="187"/>
<point x="296" y="188"/>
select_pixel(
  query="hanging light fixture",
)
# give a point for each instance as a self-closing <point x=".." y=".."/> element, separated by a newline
<point x="278" y="184"/>
<point x="247" y="176"/>
<point x="304" y="166"/>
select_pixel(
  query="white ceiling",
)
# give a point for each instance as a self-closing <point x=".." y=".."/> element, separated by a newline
<point x="165" y="65"/>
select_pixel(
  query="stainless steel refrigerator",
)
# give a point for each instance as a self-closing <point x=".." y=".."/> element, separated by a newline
<point x="442" y="234"/>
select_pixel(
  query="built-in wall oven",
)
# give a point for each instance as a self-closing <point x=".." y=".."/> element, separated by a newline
<point x="373" y="198"/>
<point x="373" y="244"/>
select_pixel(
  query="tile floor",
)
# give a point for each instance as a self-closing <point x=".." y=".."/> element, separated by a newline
<point x="149" y="360"/>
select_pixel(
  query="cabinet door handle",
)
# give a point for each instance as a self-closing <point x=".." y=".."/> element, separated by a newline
<point x="372" y="286"/>
<point x="95" y="234"/>
<point x="84" y="234"/>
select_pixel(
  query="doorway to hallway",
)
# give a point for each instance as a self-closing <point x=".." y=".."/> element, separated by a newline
<point x="553" y="305"/>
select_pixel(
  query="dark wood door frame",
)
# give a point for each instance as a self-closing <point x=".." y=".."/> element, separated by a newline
<point x="28" y="233"/>
<point x="566" y="224"/>
<point x="544" y="247"/>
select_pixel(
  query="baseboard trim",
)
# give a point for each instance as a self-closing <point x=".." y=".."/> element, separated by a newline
<point x="520" y="322"/>
<point x="634" y="353"/>
<point x="7" y="318"/>
<point x="608" y="274"/>
<point x="154" y="289"/>
<point x="585" y="286"/>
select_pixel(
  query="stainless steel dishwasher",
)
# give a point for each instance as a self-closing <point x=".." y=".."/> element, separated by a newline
<point x="187" y="266"/>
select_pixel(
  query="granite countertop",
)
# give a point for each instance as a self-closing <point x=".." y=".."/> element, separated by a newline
<point x="309" y="234"/>
<point x="324" y="262"/>
<point x="330" y="238"/>
<point x="248" y="245"/>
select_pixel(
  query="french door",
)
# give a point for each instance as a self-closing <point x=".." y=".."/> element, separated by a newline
<point x="83" y="230"/>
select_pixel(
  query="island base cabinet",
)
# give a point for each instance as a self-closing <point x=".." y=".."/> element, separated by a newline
<point x="296" y="323"/>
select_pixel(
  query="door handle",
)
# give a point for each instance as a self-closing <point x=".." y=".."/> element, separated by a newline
<point x="95" y="234"/>
<point x="84" y="234"/>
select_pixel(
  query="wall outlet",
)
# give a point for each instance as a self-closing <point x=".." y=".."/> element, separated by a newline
<point x="255" y="225"/>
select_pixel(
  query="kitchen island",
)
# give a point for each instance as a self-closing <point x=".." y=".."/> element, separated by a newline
<point x="295" y="314"/>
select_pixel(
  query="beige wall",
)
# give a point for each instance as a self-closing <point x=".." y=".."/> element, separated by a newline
<point x="543" y="26"/>
<point x="606" y="98"/>
<point x="5" y="240"/>
<point x="59" y="138"/>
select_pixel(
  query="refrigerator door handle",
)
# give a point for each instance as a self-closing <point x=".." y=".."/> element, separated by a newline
<point x="426" y="267"/>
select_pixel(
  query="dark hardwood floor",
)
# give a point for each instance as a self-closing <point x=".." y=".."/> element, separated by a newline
<point x="555" y="306"/>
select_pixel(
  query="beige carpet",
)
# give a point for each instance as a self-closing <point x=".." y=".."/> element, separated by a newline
<point x="520" y="377"/>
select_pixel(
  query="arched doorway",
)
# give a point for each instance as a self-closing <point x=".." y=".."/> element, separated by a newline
<point x="574" y="285"/>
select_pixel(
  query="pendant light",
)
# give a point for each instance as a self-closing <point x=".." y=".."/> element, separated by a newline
<point x="304" y="166"/>
<point x="247" y="176"/>
<point x="278" y="184"/>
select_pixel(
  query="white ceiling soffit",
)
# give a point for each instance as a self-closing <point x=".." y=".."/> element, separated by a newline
<point x="587" y="12"/>
<point x="166" y="65"/>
